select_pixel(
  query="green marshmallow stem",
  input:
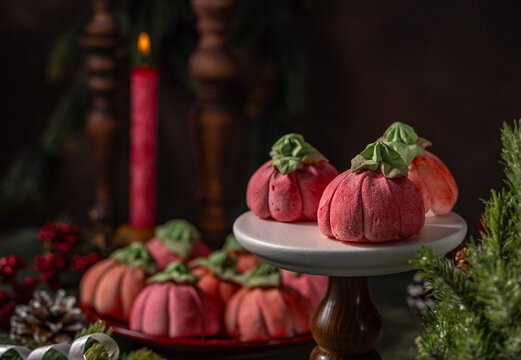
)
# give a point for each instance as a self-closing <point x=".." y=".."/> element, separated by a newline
<point x="136" y="254"/>
<point x="380" y="158"/>
<point x="404" y="140"/>
<point x="231" y="244"/>
<point x="220" y="264"/>
<point x="176" y="272"/>
<point x="264" y="276"/>
<point x="179" y="236"/>
<point x="401" y="132"/>
<point x="291" y="152"/>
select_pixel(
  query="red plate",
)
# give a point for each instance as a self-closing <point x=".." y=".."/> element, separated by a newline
<point x="197" y="346"/>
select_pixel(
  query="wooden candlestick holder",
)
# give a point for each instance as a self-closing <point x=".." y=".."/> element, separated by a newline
<point x="100" y="42"/>
<point x="213" y="69"/>
<point x="127" y="234"/>
<point x="346" y="324"/>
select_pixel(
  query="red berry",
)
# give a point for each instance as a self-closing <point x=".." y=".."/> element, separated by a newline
<point x="4" y="296"/>
<point x="62" y="247"/>
<point x="83" y="263"/>
<point x="30" y="281"/>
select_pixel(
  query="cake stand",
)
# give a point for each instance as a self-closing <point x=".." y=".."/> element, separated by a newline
<point x="346" y="325"/>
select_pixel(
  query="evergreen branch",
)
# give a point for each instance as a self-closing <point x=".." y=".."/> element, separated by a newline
<point x="511" y="156"/>
<point x="480" y="317"/>
<point x="442" y="279"/>
<point x="28" y="178"/>
<point x="142" y="354"/>
<point x="4" y="338"/>
<point x="497" y="220"/>
<point x="179" y="48"/>
<point x="511" y="348"/>
<point x="97" y="352"/>
<point x="98" y="327"/>
<point x="54" y="355"/>
<point x="68" y="118"/>
<point x="11" y="355"/>
<point x="66" y="53"/>
<point x="32" y="176"/>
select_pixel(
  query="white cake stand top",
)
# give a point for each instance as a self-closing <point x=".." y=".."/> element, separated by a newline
<point x="302" y="248"/>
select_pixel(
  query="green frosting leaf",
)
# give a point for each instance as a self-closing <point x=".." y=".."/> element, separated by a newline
<point x="231" y="244"/>
<point x="220" y="264"/>
<point x="136" y="254"/>
<point x="402" y="133"/>
<point x="404" y="140"/>
<point x="291" y="153"/>
<point x="176" y="272"/>
<point x="264" y="276"/>
<point x="179" y="236"/>
<point x="380" y="158"/>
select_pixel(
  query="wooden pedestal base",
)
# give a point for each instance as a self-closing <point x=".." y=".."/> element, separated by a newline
<point x="346" y="324"/>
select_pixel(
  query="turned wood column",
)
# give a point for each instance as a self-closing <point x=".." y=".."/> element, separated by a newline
<point x="346" y="324"/>
<point x="100" y="41"/>
<point x="213" y="69"/>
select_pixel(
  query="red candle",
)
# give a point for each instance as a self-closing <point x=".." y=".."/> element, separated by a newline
<point x="143" y="142"/>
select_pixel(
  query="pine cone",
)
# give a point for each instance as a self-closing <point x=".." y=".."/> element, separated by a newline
<point x="461" y="259"/>
<point x="417" y="298"/>
<point x="46" y="320"/>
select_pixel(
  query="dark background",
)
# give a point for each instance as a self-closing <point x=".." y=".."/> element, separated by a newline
<point x="450" y="69"/>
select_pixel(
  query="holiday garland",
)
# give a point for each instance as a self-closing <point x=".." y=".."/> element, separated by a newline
<point x="94" y="342"/>
<point x="478" y="311"/>
<point x="60" y="255"/>
<point x="269" y="24"/>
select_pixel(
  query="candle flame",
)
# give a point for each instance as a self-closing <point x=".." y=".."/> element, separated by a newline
<point x="143" y="44"/>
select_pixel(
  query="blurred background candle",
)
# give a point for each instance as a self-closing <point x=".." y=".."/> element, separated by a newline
<point x="143" y="141"/>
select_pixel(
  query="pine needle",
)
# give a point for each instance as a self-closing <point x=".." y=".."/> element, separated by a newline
<point x="33" y="174"/>
<point x="478" y="314"/>
<point x="97" y="352"/>
<point x="142" y="354"/>
<point x="98" y="327"/>
<point x="66" y="53"/>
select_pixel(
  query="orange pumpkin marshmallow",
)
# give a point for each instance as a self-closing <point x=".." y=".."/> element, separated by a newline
<point x="111" y="286"/>
<point x="431" y="176"/>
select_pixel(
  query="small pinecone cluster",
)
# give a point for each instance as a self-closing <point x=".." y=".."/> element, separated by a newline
<point x="461" y="259"/>
<point x="418" y="299"/>
<point x="46" y="319"/>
